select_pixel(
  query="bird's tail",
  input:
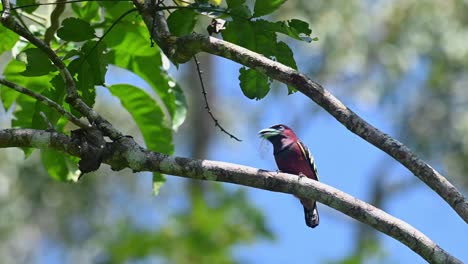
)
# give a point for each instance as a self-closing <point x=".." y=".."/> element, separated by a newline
<point x="311" y="216"/>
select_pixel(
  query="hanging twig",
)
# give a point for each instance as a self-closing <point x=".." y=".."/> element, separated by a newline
<point x="207" y="106"/>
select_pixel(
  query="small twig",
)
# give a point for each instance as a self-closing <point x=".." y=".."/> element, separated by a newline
<point x="46" y="101"/>
<point x="21" y="20"/>
<point x="47" y="121"/>
<point x="207" y="106"/>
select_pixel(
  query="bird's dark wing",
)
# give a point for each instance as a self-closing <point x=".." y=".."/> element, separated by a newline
<point x="305" y="151"/>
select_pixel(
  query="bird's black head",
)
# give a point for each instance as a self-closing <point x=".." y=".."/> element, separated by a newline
<point x="277" y="132"/>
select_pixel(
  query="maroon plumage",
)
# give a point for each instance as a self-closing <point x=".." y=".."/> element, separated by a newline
<point x="292" y="156"/>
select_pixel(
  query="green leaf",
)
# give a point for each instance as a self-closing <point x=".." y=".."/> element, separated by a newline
<point x="75" y="29"/>
<point x="264" y="7"/>
<point x="238" y="9"/>
<point x="300" y="26"/>
<point x="89" y="69"/>
<point x="240" y="32"/>
<point x="135" y="41"/>
<point x="27" y="2"/>
<point x="84" y="81"/>
<point x="37" y="62"/>
<point x="114" y="9"/>
<point x="294" y="28"/>
<point x="148" y="116"/>
<point x="87" y="11"/>
<point x="158" y="182"/>
<point x="180" y="112"/>
<point x="146" y="62"/>
<point x="55" y="164"/>
<point x="254" y="84"/>
<point x="95" y="56"/>
<point x="182" y="21"/>
<point x="9" y="39"/>
<point x="285" y="55"/>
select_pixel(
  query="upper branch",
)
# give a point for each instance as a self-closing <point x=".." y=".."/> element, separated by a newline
<point x="183" y="48"/>
<point x="126" y="153"/>
<point x="72" y="95"/>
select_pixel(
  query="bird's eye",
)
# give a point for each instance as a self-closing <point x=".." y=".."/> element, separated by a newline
<point x="281" y="127"/>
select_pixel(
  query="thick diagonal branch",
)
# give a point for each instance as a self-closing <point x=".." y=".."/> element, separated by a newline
<point x="183" y="48"/>
<point x="126" y="153"/>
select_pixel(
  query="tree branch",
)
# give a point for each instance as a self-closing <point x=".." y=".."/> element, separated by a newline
<point x="45" y="101"/>
<point x="72" y="95"/>
<point x="126" y="153"/>
<point x="182" y="49"/>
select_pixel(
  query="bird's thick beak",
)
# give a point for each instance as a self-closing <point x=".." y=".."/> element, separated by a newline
<point x="268" y="132"/>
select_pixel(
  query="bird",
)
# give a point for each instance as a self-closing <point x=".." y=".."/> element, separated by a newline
<point x="292" y="156"/>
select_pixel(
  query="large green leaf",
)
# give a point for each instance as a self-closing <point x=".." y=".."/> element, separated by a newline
<point x="265" y="7"/>
<point x="285" y="55"/>
<point x="180" y="112"/>
<point x="89" y="69"/>
<point x="294" y="28"/>
<point x="182" y="21"/>
<point x="94" y="54"/>
<point x="146" y="62"/>
<point x="148" y="116"/>
<point x="87" y="11"/>
<point x="84" y="81"/>
<point x="254" y="84"/>
<point x="238" y="9"/>
<point x="9" y="38"/>
<point x="135" y="41"/>
<point x="114" y="9"/>
<point x="240" y="32"/>
<point x="75" y="29"/>
<point x="37" y="62"/>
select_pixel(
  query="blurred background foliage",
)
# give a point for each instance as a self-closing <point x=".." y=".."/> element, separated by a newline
<point x="407" y="59"/>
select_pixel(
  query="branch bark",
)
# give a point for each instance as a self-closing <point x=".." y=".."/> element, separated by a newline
<point x="181" y="49"/>
<point x="126" y="153"/>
